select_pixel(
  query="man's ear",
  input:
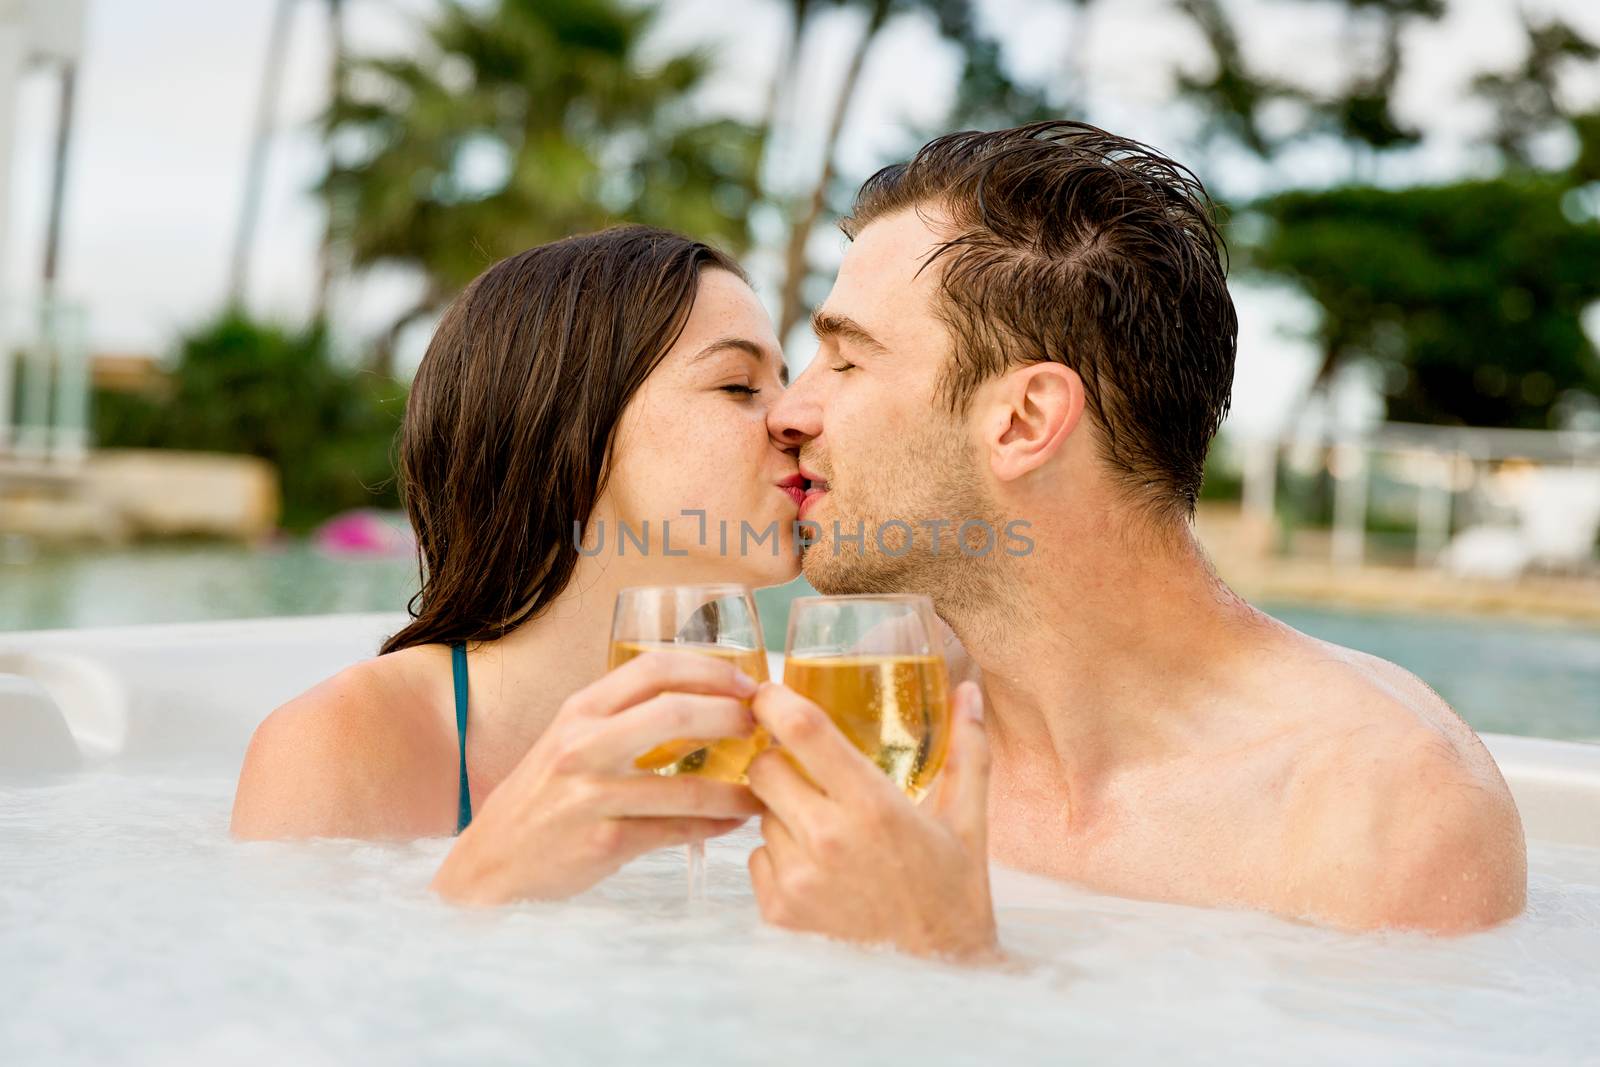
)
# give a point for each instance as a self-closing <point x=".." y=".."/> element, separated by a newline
<point x="1033" y="410"/>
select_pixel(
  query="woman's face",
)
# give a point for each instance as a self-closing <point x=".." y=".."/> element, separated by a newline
<point x="694" y="440"/>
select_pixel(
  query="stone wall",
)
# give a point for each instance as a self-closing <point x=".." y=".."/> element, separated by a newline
<point x="117" y="495"/>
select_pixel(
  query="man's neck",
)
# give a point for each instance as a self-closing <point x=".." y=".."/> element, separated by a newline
<point x="1104" y="651"/>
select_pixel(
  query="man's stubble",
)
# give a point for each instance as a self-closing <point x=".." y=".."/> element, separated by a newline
<point x="928" y="475"/>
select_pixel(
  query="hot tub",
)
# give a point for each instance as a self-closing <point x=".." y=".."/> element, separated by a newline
<point x="132" y="929"/>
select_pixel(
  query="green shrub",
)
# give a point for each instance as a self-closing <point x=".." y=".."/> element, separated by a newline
<point x="248" y="387"/>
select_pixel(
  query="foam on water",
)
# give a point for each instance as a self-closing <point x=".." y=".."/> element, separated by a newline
<point x="133" y="930"/>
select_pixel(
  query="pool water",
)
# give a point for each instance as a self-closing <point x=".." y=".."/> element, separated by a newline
<point x="1502" y="675"/>
<point x="133" y="929"/>
<point x="197" y="582"/>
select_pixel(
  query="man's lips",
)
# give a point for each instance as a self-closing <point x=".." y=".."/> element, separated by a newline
<point x="816" y="488"/>
<point x="803" y="488"/>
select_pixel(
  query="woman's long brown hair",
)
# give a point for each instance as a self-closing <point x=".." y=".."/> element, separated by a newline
<point x="510" y="421"/>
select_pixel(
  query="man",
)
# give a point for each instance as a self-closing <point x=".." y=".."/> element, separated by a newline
<point x="1034" y="325"/>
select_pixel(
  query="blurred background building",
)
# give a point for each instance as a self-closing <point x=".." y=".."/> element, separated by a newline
<point x="226" y="231"/>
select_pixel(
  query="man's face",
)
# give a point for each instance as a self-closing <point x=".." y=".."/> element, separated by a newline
<point x="872" y="427"/>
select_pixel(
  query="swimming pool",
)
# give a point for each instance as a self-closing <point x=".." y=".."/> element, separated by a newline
<point x="1502" y="675"/>
<point x="132" y="929"/>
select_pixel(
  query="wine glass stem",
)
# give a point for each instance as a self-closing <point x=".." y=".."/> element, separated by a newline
<point x="697" y="872"/>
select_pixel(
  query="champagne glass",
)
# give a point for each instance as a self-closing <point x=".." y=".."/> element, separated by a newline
<point x="871" y="662"/>
<point x="710" y="620"/>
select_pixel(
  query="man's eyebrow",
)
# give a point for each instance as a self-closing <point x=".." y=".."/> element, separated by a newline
<point x="826" y="324"/>
<point x="740" y="344"/>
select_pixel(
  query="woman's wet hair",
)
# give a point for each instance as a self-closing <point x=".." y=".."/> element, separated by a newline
<point x="509" y="426"/>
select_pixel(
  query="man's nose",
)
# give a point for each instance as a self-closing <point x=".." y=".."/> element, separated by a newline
<point x="797" y="416"/>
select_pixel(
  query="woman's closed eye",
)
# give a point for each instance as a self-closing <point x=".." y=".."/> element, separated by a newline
<point x="740" y="390"/>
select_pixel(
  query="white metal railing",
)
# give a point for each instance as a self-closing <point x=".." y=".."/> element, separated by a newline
<point x="1441" y="461"/>
<point x="44" y="372"/>
<point x="44" y="384"/>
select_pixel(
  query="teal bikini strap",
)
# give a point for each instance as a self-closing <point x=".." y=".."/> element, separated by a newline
<point x="458" y="656"/>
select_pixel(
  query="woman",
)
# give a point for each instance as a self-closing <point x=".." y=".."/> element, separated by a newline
<point x="616" y="378"/>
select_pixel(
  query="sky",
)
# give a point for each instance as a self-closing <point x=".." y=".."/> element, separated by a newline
<point x="168" y="91"/>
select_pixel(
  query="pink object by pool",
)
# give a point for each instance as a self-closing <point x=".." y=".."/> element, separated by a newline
<point x="365" y="532"/>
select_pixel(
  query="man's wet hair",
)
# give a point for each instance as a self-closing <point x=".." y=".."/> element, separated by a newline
<point x="1068" y="243"/>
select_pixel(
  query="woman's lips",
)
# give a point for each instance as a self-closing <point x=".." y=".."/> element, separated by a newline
<point x="803" y="490"/>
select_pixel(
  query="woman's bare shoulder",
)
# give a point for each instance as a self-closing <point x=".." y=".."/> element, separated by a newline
<point x="369" y="753"/>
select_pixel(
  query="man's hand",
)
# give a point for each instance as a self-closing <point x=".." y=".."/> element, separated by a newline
<point x="849" y="856"/>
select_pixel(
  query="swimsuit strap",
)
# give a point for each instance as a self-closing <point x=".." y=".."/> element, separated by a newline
<point x="458" y="656"/>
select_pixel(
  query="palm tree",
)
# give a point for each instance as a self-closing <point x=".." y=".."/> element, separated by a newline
<point x="260" y="142"/>
<point x="805" y="216"/>
<point x="986" y="95"/>
<point x="517" y="123"/>
<point x="336" y="64"/>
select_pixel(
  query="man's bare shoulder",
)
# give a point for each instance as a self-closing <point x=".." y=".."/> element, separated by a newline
<point x="356" y="756"/>
<point x="1400" y="817"/>
<point x="1372" y="711"/>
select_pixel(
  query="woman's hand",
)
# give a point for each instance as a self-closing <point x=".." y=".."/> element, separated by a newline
<point x="576" y="808"/>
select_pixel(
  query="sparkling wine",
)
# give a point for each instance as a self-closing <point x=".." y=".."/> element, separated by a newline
<point x="727" y="759"/>
<point x="894" y="708"/>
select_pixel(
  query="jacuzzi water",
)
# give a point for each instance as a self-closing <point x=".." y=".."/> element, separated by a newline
<point x="133" y="929"/>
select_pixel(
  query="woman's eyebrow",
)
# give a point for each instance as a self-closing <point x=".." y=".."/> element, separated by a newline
<point x="740" y="344"/>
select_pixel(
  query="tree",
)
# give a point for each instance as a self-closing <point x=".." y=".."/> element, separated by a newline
<point x="1527" y="99"/>
<point x="522" y="121"/>
<point x="260" y="144"/>
<point x="1233" y="99"/>
<point x="986" y="95"/>
<point x="806" y="213"/>
<point x="240" y="385"/>
<point x="1468" y="297"/>
<point x="326" y="251"/>
<point x="527" y="120"/>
